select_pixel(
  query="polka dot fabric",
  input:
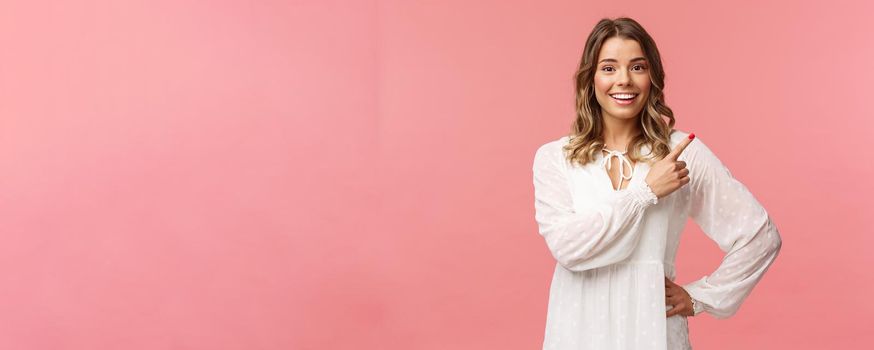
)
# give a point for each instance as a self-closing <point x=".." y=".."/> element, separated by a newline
<point x="613" y="248"/>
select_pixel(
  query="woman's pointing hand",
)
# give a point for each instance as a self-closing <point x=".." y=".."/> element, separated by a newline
<point x="669" y="174"/>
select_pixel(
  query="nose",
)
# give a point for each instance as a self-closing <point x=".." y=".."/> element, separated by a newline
<point x="624" y="78"/>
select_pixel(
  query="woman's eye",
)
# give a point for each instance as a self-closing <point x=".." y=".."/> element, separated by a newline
<point x="642" y="67"/>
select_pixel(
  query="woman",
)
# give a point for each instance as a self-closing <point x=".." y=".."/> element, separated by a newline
<point x="611" y="200"/>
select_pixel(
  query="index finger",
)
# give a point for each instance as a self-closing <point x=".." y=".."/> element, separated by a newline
<point x="680" y="147"/>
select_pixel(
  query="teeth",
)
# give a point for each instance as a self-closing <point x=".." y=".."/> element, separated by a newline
<point x="624" y="96"/>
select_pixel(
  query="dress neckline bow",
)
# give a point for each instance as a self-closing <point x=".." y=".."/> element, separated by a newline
<point x="622" y="160"/>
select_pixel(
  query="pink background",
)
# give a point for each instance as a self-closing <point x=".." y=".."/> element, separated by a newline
<point x="357" y="174"/>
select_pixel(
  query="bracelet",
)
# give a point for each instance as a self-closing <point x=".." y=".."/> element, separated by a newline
<point x="696" y="307"/>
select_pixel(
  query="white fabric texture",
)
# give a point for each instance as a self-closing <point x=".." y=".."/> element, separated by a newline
<point x="614" y="247"/>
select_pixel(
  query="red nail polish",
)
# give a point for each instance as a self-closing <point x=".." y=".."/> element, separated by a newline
<point x="692" y="136"/>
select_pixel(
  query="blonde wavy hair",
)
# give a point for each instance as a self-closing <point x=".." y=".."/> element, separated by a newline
<point x="586" y="136"/>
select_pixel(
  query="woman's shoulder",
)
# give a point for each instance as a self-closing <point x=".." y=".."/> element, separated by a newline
<point x="554" y="145"/>
<point x="697" y="154"/>
<point x="677" y="136"/>
<point x="696" y="147"/>
<point x="551" y="150"/>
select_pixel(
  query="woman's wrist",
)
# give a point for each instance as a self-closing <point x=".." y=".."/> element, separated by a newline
<point x="642" y="193"/>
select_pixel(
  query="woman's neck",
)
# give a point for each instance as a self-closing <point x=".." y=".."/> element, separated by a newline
<point x="618" y="134"/>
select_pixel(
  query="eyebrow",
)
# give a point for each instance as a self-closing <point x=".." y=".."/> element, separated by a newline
<point x="632" y="60"/>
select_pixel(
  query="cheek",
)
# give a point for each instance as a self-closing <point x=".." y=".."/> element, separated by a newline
<point x="602" y="85"/>
<point x="643" y="83"/>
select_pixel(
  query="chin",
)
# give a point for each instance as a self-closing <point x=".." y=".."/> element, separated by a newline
<point x="625" y="114"/>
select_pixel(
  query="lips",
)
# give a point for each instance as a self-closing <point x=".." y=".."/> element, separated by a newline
<point x="624" y="99"/>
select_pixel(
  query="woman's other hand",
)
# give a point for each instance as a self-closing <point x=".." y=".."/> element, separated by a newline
<point x="676" y="296"/>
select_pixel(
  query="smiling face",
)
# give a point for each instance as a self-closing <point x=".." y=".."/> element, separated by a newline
<point x="622" y="68"/>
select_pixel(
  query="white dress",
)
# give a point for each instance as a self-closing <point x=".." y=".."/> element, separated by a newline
<point x="614" y="247"/>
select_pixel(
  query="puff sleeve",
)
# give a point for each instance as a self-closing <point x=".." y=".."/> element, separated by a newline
<point x="731" y="216"/>
<point x="601" y="234"/>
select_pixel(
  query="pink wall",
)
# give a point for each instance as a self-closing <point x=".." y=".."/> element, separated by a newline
<point x="356" y="174"/>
